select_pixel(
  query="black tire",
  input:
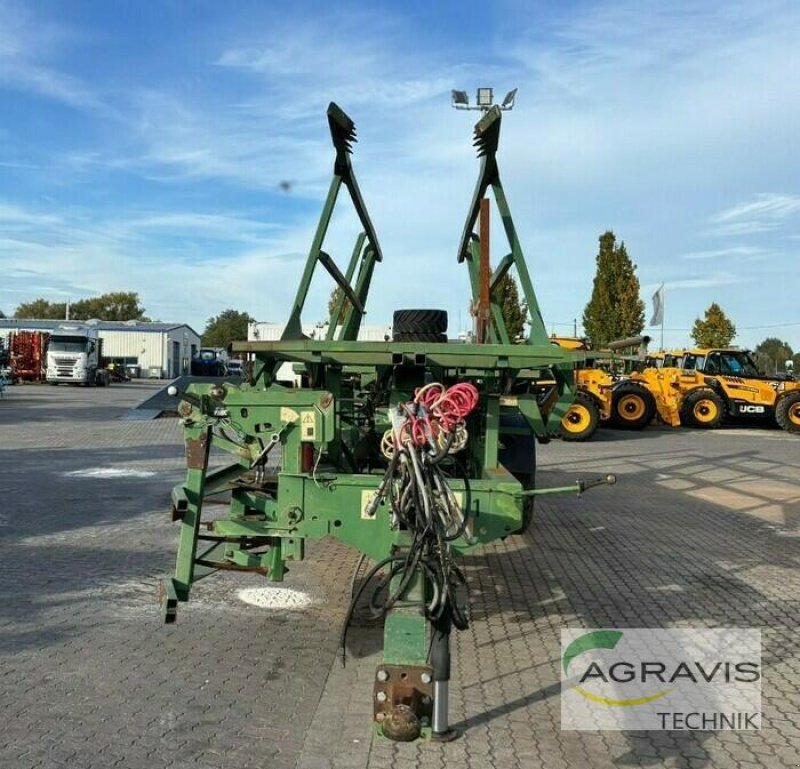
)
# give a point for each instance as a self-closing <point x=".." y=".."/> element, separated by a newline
<point x="420" y="337"/>
<point x="419" y="322"/>
<point x="633" y="407"/>
<point x="787" y="412"/>
<point x="528" y="482"/>
<point x="581" y="421"/>
<point x="517" y="453"/>
<point x="703" y="408"/>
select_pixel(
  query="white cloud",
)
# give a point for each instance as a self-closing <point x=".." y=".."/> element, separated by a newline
<point x="748" y="253"/>
<point x="13" y="216"/>
<point x="765" y="212"/>
<point x="27" y="43"/>
<point x="72" y="255"/>
<point x="714" y="280"/>
<point x="640" y="117"/>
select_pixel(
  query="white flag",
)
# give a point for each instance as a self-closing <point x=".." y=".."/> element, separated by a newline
<point x="658" y="307"/>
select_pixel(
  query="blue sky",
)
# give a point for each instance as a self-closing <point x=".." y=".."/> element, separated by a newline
<point x="142" y="146"/>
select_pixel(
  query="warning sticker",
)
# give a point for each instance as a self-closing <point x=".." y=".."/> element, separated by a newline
<point x="289" y="416"/>
<point x="308" y="426"/>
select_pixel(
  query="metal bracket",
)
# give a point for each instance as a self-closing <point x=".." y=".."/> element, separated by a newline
<point x="403" y="700"/>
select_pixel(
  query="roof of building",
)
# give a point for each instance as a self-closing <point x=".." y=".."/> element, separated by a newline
<point x="100" y="325"/>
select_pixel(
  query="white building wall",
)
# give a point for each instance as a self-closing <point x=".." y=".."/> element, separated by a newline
<point x="152" y="349"/>
<point x="146" y="347"/>
<point x="188" y="342"/>
<point x="271" y="332"/>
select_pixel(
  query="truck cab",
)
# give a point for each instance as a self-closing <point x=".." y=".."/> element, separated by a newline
<point x="74" y="355"/>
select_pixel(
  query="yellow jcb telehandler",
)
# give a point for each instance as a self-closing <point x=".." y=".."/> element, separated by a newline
<point x="715" y="383"/>
<point x="606" y="398"/>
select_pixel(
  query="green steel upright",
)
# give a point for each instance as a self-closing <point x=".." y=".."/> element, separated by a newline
<point x="305" y="462"/>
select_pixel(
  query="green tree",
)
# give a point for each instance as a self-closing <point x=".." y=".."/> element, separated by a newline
<point x="41" y="309"/>
<point x="115" y="305"/>
<point x="615" y="309"/>
<point x="333" y="300"/>
<point x="229" y="326"/>
<point x="514" y="312"/>
<point x="2" y="314"/>
<point x="772" y="354"/>
<point x="715" y="330"/>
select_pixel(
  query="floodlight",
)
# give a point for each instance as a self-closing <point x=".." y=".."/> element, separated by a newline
<point x="508" y="102"/>
<point x="484" y="98"/>
<point x="460" y="99"/>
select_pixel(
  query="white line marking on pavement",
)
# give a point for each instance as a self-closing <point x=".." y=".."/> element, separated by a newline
<point x="109" y="472"/>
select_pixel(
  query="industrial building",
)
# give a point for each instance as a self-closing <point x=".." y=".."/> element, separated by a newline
<point x="261" y="331"/>
<point x="156" y="350"/>
<point x="264" y="331"/>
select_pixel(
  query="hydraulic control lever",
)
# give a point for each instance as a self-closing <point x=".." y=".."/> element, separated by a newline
<point x="210" y="405"/>
<point x="195" y="400"/>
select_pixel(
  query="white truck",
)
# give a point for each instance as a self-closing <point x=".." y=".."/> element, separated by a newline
<point x="74" y="356"/>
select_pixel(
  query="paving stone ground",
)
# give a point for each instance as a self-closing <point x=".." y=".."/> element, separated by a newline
<point x="702" y="530"/>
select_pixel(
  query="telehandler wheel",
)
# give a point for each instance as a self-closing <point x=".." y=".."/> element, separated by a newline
<point x="787" y="412"/>
<point x="581" y="421"/>
<point x="703" y="408"/>
<point x="632" y="407"/>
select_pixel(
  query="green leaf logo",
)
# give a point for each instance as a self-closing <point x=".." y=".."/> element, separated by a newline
<point x="601" y="639"/>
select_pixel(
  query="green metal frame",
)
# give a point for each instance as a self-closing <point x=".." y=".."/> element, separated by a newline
<point x="274" y="511"/>
<point x="367" y="250"/>
<point x="486" y="139"/>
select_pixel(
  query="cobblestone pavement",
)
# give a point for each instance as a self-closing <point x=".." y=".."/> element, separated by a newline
<point x="702" y="530"/>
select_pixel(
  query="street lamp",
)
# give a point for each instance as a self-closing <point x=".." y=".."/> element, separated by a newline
<point x="484" y="100"/>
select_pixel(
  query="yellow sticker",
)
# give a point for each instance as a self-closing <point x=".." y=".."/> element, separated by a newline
<point x="289" y="415"/>
<point x="308" y="426"/>
<point x="367" y="496"/>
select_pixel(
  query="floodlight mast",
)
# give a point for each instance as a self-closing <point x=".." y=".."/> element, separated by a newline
<point x="484" y="100"/>
<point x="484" y="308"/>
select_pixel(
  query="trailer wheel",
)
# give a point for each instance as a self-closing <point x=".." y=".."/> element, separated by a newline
<point x="787" y="412"/>
<point x="632" y="406"/>
<point x="703" y="408"/>
<point x="528" y="483"/>
<point x="581" y="421"/>
<point x="517" y="453"/>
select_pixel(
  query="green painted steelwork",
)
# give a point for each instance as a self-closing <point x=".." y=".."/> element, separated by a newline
<point x="304" y="463"/>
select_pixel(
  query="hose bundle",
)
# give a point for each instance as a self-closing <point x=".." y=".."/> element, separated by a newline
<point x="425" y="432"/>
<point x="434" y="419"/>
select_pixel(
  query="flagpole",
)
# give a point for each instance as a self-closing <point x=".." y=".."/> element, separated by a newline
<point x="663" y="303"/>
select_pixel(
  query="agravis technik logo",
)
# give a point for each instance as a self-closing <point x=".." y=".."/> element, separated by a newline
<point x="637" y="678"/>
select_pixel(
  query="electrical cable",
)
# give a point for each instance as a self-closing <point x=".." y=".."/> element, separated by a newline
<point x="420" y="445"/>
